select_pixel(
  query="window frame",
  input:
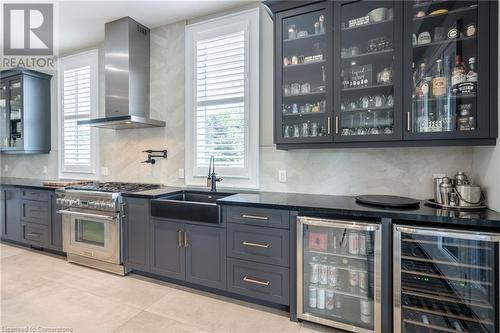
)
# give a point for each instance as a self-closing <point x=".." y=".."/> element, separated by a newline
<point x="85" y="58"/>
<point x="249" y="21"/>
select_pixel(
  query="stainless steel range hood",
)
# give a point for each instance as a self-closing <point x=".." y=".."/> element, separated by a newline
<point x="127" y="54"/>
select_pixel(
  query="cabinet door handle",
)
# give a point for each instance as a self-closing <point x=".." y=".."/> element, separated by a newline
<point x="255" y="281"/>
<point x="264" y="246"/>
<point x="255" y="217"/>
<point x="337" y="125"/>
<point x="329" y="125"/>
<point x="179" y="237"/>
<point x="33" y="234"/>
<point x="185" y="239"/>
<point x="408" y="121"/>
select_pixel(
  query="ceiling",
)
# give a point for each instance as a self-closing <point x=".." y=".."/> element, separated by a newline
<point x="80" y="24"/>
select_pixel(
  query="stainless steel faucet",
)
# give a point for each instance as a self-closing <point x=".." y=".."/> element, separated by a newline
<point x="212" y="178"/>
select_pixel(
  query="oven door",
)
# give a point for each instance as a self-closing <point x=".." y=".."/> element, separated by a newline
<point x="91" y="234"/>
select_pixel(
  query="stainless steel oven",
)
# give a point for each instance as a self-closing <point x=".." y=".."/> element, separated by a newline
<point x="92" y="235"/>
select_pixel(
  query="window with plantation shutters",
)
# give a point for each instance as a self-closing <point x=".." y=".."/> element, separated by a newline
<point x="221" y="99"/>
<point x="78" y="93"/>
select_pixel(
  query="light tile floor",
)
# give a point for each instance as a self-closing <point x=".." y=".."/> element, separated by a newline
<point x="40" y="290"/>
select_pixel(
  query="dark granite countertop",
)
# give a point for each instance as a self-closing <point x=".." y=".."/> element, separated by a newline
<point x="26" y="183"/>
<point x="345" y="205"/>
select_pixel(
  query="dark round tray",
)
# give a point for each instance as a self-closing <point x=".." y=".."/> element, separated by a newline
<point x="387" y="201"/>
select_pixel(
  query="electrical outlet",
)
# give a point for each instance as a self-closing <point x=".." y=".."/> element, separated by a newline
<point x="45" y="169"/>
<point x="181" y="173"/>
<point x="282" y="176"/>
<point x="105" y="171"/>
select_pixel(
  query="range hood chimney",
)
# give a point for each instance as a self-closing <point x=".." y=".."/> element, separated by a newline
<point x="127" y="54"/>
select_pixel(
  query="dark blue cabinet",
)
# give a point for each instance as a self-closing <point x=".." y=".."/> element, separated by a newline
<point x="136" y="233"/>
<point x="168" y="256"/>
<point x="11" y="214"/>
<point x="55" y="227"/>
<point x="206" y="256"/>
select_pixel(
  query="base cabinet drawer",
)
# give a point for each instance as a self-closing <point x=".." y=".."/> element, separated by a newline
<point x="263" y="217"/>
<point x="35" y="211"/>
<point x="264" y="245"/>
<point x="35" y="234"/>
<point x="39" y="195"/>
<point x="261" y="281"/>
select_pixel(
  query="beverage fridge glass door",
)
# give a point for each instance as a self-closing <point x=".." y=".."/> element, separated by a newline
<point x="339" y="273"/>
<point x="445" y="281"/>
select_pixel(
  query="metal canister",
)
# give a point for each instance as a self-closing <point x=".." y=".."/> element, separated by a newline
<point x="323" y="274"/>
<point x="354" y="242"/>
<point x="329" y="300"/>
<point x="460" y="179"/>
<point x="313" y="295"/>
<point x="445" y="189"/>
<point x="437" y="192"/>
<point x="468" y="195"/>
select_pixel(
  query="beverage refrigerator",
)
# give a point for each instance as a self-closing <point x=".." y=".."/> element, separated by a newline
<point x="339" y="275"/>
<point x="445" y="280"/>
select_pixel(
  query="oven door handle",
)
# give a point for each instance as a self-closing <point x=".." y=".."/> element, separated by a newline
<point x="95" y="216"/>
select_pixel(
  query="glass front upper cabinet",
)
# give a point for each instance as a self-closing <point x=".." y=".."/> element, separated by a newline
<point x="303" y="62"/>
<point x="368" y="75"/>
<point x="4" y="129"/>
<point x="15" y="125"/>
<point x="443" y="89"/>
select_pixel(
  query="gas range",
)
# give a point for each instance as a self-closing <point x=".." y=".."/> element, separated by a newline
<point x="92" y="217"/>
<point x="98" y="196"/>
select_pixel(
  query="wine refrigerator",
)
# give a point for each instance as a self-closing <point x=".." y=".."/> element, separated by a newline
<point x="445" y="280"/>
<point x="339" y="275"/>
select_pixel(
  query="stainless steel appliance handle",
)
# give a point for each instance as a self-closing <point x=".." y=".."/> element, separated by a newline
<point x="483" y="236"/>
<point x="338" y="224"/>
<point x="252" y="244"/>
<point x="95" y="216"/>
<point x="255" y="281"/>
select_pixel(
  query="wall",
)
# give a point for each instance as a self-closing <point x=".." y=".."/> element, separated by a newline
<point x="399" y="171"/>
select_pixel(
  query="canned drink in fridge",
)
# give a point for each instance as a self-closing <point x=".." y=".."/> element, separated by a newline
<point x="353" y="278"/>
<point x="323" y="274"/>
<point x="362" y="243"/>
<point x="332" y="276"/>
<point x="363" y="282"/>
<point x="314" y="272"/>
<point x="367" y="319"/>
<point x="329" y="300"/>
<point x="354" y="242"/>
<point x="320" y="301"/>
<point x="365" y="306"/>
<point x="313" y="291"/>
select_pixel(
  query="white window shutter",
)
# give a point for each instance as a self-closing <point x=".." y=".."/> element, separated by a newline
<point x="76" y="106"/>
<point x="78" y="94"/>
<point x="222" y="99"/>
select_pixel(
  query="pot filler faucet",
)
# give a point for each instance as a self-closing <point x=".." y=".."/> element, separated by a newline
<point x="212" y="176"/>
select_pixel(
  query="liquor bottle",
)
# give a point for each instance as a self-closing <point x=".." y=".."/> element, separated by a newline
<point x="471" y="76"/>
<point x="422" y="106"/>
<point x="457" y="75"/>
<point x="439" y="81"/>
<point x="438" y="91"/>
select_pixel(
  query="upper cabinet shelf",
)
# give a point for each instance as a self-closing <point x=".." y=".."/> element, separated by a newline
<point x="372" y="73"/>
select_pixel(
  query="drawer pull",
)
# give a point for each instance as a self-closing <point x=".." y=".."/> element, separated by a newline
<point x="255" y="217"/>
<point x="264" y="246"/>
<point x="33" y="234"/>
<point x="252" y="280"/>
